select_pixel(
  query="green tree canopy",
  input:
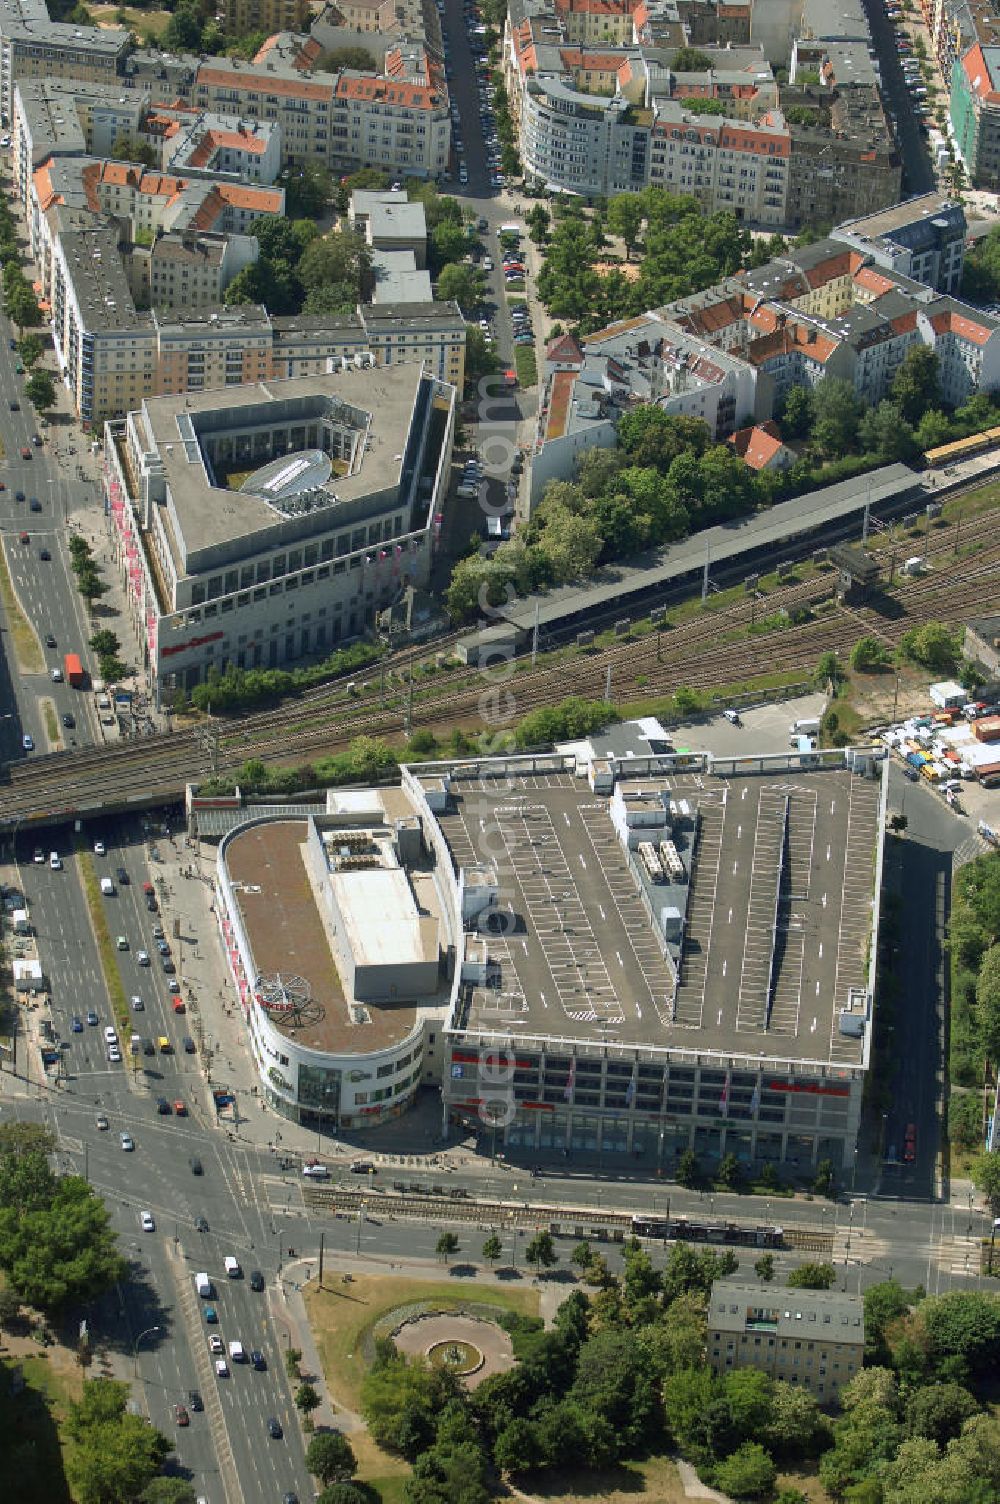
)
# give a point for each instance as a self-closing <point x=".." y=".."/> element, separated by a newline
<point x="461" y="284"/>
<point x="337" y="58"/>
<point x="747" y="1473"/>
<point x="40" y="390"/>
<point x="812" y="1276"/>
<point x="330" y="1457"/>
<point x="916" y="386"/>
<point x="837" y="413"/>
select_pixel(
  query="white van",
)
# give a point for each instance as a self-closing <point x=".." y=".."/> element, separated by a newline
<point x="807" y="727"/>
<point x="237" y="1352"/>
<point x="233" y="1270"/>
<point x="110" y="1035"/>
<point x="54" y="861"/>
<point x="107" y="887"/>
<point x="203" y="1285"/>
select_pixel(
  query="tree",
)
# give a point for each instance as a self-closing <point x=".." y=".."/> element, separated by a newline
<point x="168" y="1490"/>
<point x="307" y="1399"/>
<point x="625" y="216"/>
<point x="747" y="1473"/>
<point x="105" y="643"/>
<point x="938" y="1412"/>
<point x="480" y="360"/>
<point x="988" y="1003"/>
<point x="985" y="1176"/>
<point x="764" y="1267"/>
<point x="690" y="60"/>
<point x="837" y="412"/>
<point x="21" y="305"/>
<point x="884" y="432"/>
<point x="492" y="1248"/>
<point x="730" y="1172"/>
<point x="688" y="1171"/>
<point x="447" y="242"/>
<point x="829" y="669"/>
<point x="330" y="1457"/>
<point x="613" y="1381"/>
<point x="933" y="645"/>
<point x="345" y="1493"/>
<point x="125" y="148"/>
<point x="825" y="1179"/>
<point x="116" y="1454"/>
<point x="183" y="30"/>
<point x="868" y="655"/>
<point x="10" y="1307"/>
<point x="56" y="1241"/>
<point x="538" y="219"/>
<point x="812" y="1276"/>
<point x="30" y="349"/>
<point x="794" y="1426"/>
<point x="460" y="284"/>
<point x="308" y="190"/>
<point x="447" y="1244"/>
<point x="541" y="1251"/>
<point x="337" y="58"/>
<point x="293" y="1357"/>
<point x="916" y="387"/>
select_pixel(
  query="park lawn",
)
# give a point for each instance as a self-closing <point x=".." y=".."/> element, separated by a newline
<point x="341" y="1317"/>
<point x="653" y="1479"/>
<point x="39" y="1415"/>
<point x="154" y="22"/>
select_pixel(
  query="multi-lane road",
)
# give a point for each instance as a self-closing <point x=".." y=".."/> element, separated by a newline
<point x="157" y="1176"/>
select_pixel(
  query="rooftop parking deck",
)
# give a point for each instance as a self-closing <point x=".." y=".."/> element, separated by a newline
<point x="778" y="914"/>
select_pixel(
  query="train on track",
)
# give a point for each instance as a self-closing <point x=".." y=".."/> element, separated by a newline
<point x="688" y="1230"/>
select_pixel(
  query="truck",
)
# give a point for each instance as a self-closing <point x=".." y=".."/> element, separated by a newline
<point x="73" y="669"/>
<point x="807" y="727"/>
<point x="203" y="1285"/>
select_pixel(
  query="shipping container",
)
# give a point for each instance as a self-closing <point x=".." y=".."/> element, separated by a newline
<point x="987" y="728"/>
<point x="74" y="670"/>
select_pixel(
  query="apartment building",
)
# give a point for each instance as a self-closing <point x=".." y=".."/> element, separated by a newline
<point x="922" y="238"/>
<point x="812" y="1338"/>
<point x="187" y="269"/>
<point x="975" y="113"/>
<point x="725" y="164"/>
<point x="241" y="18"/>
<point x="431" y="333"/>
<point x="32" y="46"/>
<point x="830" y="178"/>
<point x="729" y="354"/>
<point x="301" y="555"/>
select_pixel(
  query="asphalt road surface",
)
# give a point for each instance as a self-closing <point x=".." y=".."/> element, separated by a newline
<point x="918" y="174"/>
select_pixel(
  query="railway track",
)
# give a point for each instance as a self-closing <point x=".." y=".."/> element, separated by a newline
<point x="708" y="650"/>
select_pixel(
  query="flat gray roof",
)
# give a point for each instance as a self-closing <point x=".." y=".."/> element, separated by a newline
<point x="209" y="514"/>
<point x="822" y="1315"/>
<point x="778" y="912"/>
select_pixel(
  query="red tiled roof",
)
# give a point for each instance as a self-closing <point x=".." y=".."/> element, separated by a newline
<point x="563" y="350"/>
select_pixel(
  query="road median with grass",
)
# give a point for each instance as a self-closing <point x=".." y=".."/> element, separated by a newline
<point x="105" y="945"/>
<point x="27" y="649"/>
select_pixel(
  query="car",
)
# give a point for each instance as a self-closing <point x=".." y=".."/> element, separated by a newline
<point x="179" y="1005"/>
<point x="256" y="1280"/>
<point x="69" y="720"/>
<point x="25" y="452"/>
<point x="201" y="1224"/>
<point x="196" y="1167"/>
<point x="157" y="931"/>
<point x="55" y="674"/>
<point x="909" y="1154"/>
<point x="99" y="848"/>
<point x="188" y="1045"/>
<point x="142" y="957"/>
<point x="102" y="1122"/>
<point x="50" y="641"/>
<point x="180" y="1109"/>
<point x="127" y="1142"/>
<point x="18" y="495"/>
<point x="146" y="1219"/>
<point x="114" y="1055"/>
<point x="911" y="774"/>
<point x="122" y="876"/>
<point x="28" y="742"/>
<point x="168" y="966"/>
<point x="211" y="1315"/>
<point x="163" y="947"/>
<point x="34" y="505"/>
<point x="221" y="1368"/>
<point x="46" y="558"/>
<point x="91" y="1017"/>
<point x="316" y="1171"/>
<point x="216" y="1344"/>
<point x="195" y="1401"/>
<point x="138" y="1006"/>
<point x="258" y="1360"/>
<point x="55" y="862"/>
<point x="15" y="406"/>
<point x="76" y="1024"/>
<point x="274" y="1428"/>
<point x="733" y="717"/>
<point x="181" y="1416"/>
<point x="163" y="1107"/>
<point x="36" y="440"/>
<point x="122" y="942"/>
<point x="362" y="1167"/>
<point x="290" y="1498"/>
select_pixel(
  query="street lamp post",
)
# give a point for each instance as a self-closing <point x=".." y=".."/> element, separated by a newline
<point x="135" y="1347"/>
